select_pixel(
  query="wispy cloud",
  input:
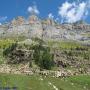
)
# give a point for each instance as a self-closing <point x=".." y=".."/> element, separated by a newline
<point x="3" y="18"/>
<point x="50" y="16"/>
<point x="33" y="9"/>
<point x="72" y="12"/>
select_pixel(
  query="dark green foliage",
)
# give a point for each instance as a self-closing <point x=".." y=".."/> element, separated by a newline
<point x="15" y="54"/>
<point x="38" y="50"/>
<point x="9" y="49"/>
<point x="46" y="61"/>
<point x="21" y="53"/>
<point x="40" y="41"/>
<point x="42" y="55"/>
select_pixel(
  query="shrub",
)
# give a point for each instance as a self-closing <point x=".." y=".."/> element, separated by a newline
<point x="9" y="49"/>
<point x="42" y="56"/>
<point x="46" y="61"/>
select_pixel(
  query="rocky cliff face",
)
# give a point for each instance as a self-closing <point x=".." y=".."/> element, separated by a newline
<point x="46" y="29"/>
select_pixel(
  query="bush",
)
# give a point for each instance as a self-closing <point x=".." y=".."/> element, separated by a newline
<point x="42" y="56"/>
<point x="16" y="54"/>
<point x="46" y="61"/>
<point x="9" y="49"/>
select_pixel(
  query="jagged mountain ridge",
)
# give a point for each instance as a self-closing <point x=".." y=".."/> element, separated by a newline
<point x="46" y="29"/>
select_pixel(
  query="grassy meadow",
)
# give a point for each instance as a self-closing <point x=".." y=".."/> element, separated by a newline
<point x="23" y="82"/>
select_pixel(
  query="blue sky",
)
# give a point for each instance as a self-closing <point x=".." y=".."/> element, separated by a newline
<point x="10" y="9"/>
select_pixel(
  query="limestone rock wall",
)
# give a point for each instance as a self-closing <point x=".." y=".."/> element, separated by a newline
<point x="48" y="29"/>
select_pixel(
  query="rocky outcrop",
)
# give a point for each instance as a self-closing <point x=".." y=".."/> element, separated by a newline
<point x="46" y="29"/>
<point x="18" y="21"/>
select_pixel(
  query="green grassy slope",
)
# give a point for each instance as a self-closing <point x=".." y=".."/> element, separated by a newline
<point x="23" y="82"/>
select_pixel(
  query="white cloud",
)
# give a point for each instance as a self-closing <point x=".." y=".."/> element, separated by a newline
<point x="33" y="9"/>
<point x="72" y="12"/>
<point x="57" y="19"/>
<point x="0" y="23"/>
<point x="3" y="18"/>
<point x="63" y="9"/>
<point x="50" y="16"/>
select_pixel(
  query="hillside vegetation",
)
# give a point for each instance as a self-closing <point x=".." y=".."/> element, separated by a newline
<point x="44" y="55"/>
<point x="66" y="54"/>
